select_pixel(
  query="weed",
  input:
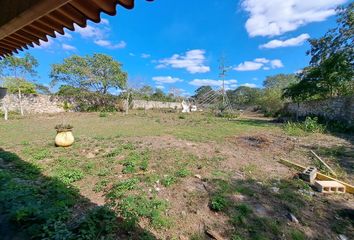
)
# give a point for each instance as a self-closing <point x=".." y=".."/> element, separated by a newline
<point x="114" y="153"/>
<point x="69" y="175"/>
<point x="297" y="235"/>
<point x="218" y="203"/>
<point x="121" y="188"/>
<point x="103" y="114"/>
<point x="99" y="223"/>
<point x="183" y="172"/>
<point x="168" y="181"/>
<point x="181" y="117"/>
<point x="133" y="207"/>
<point x="100" y="185"/>
<point x="310" y="125"/>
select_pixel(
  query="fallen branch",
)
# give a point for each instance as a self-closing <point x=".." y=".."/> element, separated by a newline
<point x="325" y="164"/>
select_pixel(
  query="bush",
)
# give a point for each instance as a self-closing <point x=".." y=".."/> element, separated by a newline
<point x="310" y="125"/>
<point x="218" y="203"/>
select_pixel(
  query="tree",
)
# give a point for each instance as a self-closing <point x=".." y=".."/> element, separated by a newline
<point x="331" y="69"/>
<point x="15" y="85"/>
<point x="15" y="71"/>
<point x="99" y="72"/>
<point x="280" y="81"/>
<point x="201" y="92"/>
<point x="244" y="96"/>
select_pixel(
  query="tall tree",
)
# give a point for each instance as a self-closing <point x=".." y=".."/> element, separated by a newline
<point x="280" y="81"/>
<point x="244" y="96"/>
<point x="201" y="92"/>
<point x="331" y="69"/>
<point x="99" y="72"/>
<point x="16" y="71"/>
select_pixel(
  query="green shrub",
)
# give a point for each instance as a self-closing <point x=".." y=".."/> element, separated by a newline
<point x="69" y="175"/>
<point x="310" y="125"/>
<point x="121" y="188"/>
<point x="103" y="114"/>
<point x="218" y="203"/>
<point x="168" y="181"/>
<point x="99" y="223"/>
<point x="182" y="173"/>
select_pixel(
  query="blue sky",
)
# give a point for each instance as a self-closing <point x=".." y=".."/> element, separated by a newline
<point x="178" y="44"/>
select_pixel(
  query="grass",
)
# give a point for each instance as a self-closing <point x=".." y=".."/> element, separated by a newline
<point x="55" y="189"/>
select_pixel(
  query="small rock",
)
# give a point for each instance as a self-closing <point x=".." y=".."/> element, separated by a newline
<point x="157" y="189"/>
<point x="307" y="192"/>
<point x="292" y="218"/>
<point x="342" y="237"/>
<point x="260" y="183"/>
<point x="183" y="213"/>
<point x="198" y="176"/>
<point x="275" y="189"/>
<point x="183" y="237"/>
<point x="90" y="155"/>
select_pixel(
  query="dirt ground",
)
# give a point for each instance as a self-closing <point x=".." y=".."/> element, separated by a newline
<point x="244" y="164"/>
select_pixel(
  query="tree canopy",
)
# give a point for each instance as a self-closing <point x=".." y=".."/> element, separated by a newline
<point x="98" y="72"/>
<point x="331" y="69"/>
<point x="16" y="72"/>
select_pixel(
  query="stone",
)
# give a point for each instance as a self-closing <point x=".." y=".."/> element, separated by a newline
<point x="90" y="155"/>
<point x="292" y="218"/>
<point x="342" y="237"/>
<point x="198" y="176"/>
<point x="337" y="108"/>
<point x="275" y="189"/>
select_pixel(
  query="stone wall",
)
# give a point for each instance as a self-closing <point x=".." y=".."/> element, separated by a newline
<point x="32" y="104"/>
<point x="143" y="104"/>
<point x="339" y="108"/>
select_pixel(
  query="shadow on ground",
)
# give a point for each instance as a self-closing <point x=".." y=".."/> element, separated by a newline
<point x="280" y="209"/>
<point x="34" y="206"/>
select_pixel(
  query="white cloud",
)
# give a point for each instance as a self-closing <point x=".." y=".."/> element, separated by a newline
<point x="296" y="41"/>
<point x="145" y="55"/>
<point x="212" y="83"/>
<point x="251" y="85"/>
<point x="109" y="44"/>
<point x="259" y="63"/>
<point x="68" y="47"/>
<point x="90" y="32"/>
<point x="105" y="21"/>
<point x="248" y="66"/>
<point x="44" y="44"/>
<point x="160" y="87"/>
<point x="261" y="60"/>
<point x="166" y="79"/>
<point x="132" y="54"/>
<point x="276" y="63"/>
<point x="193" y="61"/>
<point x="275" y="17"/>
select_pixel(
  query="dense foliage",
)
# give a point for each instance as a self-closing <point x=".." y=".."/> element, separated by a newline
<point x="331" y="69"/>
<point x="86" y="101"/>
<point x="98" y="73"/>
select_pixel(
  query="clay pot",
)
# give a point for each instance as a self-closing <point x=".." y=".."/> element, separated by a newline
<point x="64" y="138"/>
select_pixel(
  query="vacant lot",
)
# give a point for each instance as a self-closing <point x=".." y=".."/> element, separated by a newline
<point x="165" y="175"/>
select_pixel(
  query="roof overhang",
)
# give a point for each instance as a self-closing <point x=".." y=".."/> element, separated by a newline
<point x="24" y="22"/>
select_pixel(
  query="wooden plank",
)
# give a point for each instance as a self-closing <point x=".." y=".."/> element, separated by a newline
<point x="323" y="162"/>
<point x="319" y="176"/>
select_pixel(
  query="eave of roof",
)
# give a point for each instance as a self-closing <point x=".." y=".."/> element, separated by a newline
<point x="47" y="17"/>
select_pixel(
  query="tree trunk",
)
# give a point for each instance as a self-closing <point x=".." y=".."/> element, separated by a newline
<point x="20" y="101"/>
<point x="5" y="109"/>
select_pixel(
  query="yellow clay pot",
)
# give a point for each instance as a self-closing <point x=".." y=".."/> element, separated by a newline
<point x="64" y="138"/>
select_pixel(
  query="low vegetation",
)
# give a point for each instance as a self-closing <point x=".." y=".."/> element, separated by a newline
<point x="119" y="179"/>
